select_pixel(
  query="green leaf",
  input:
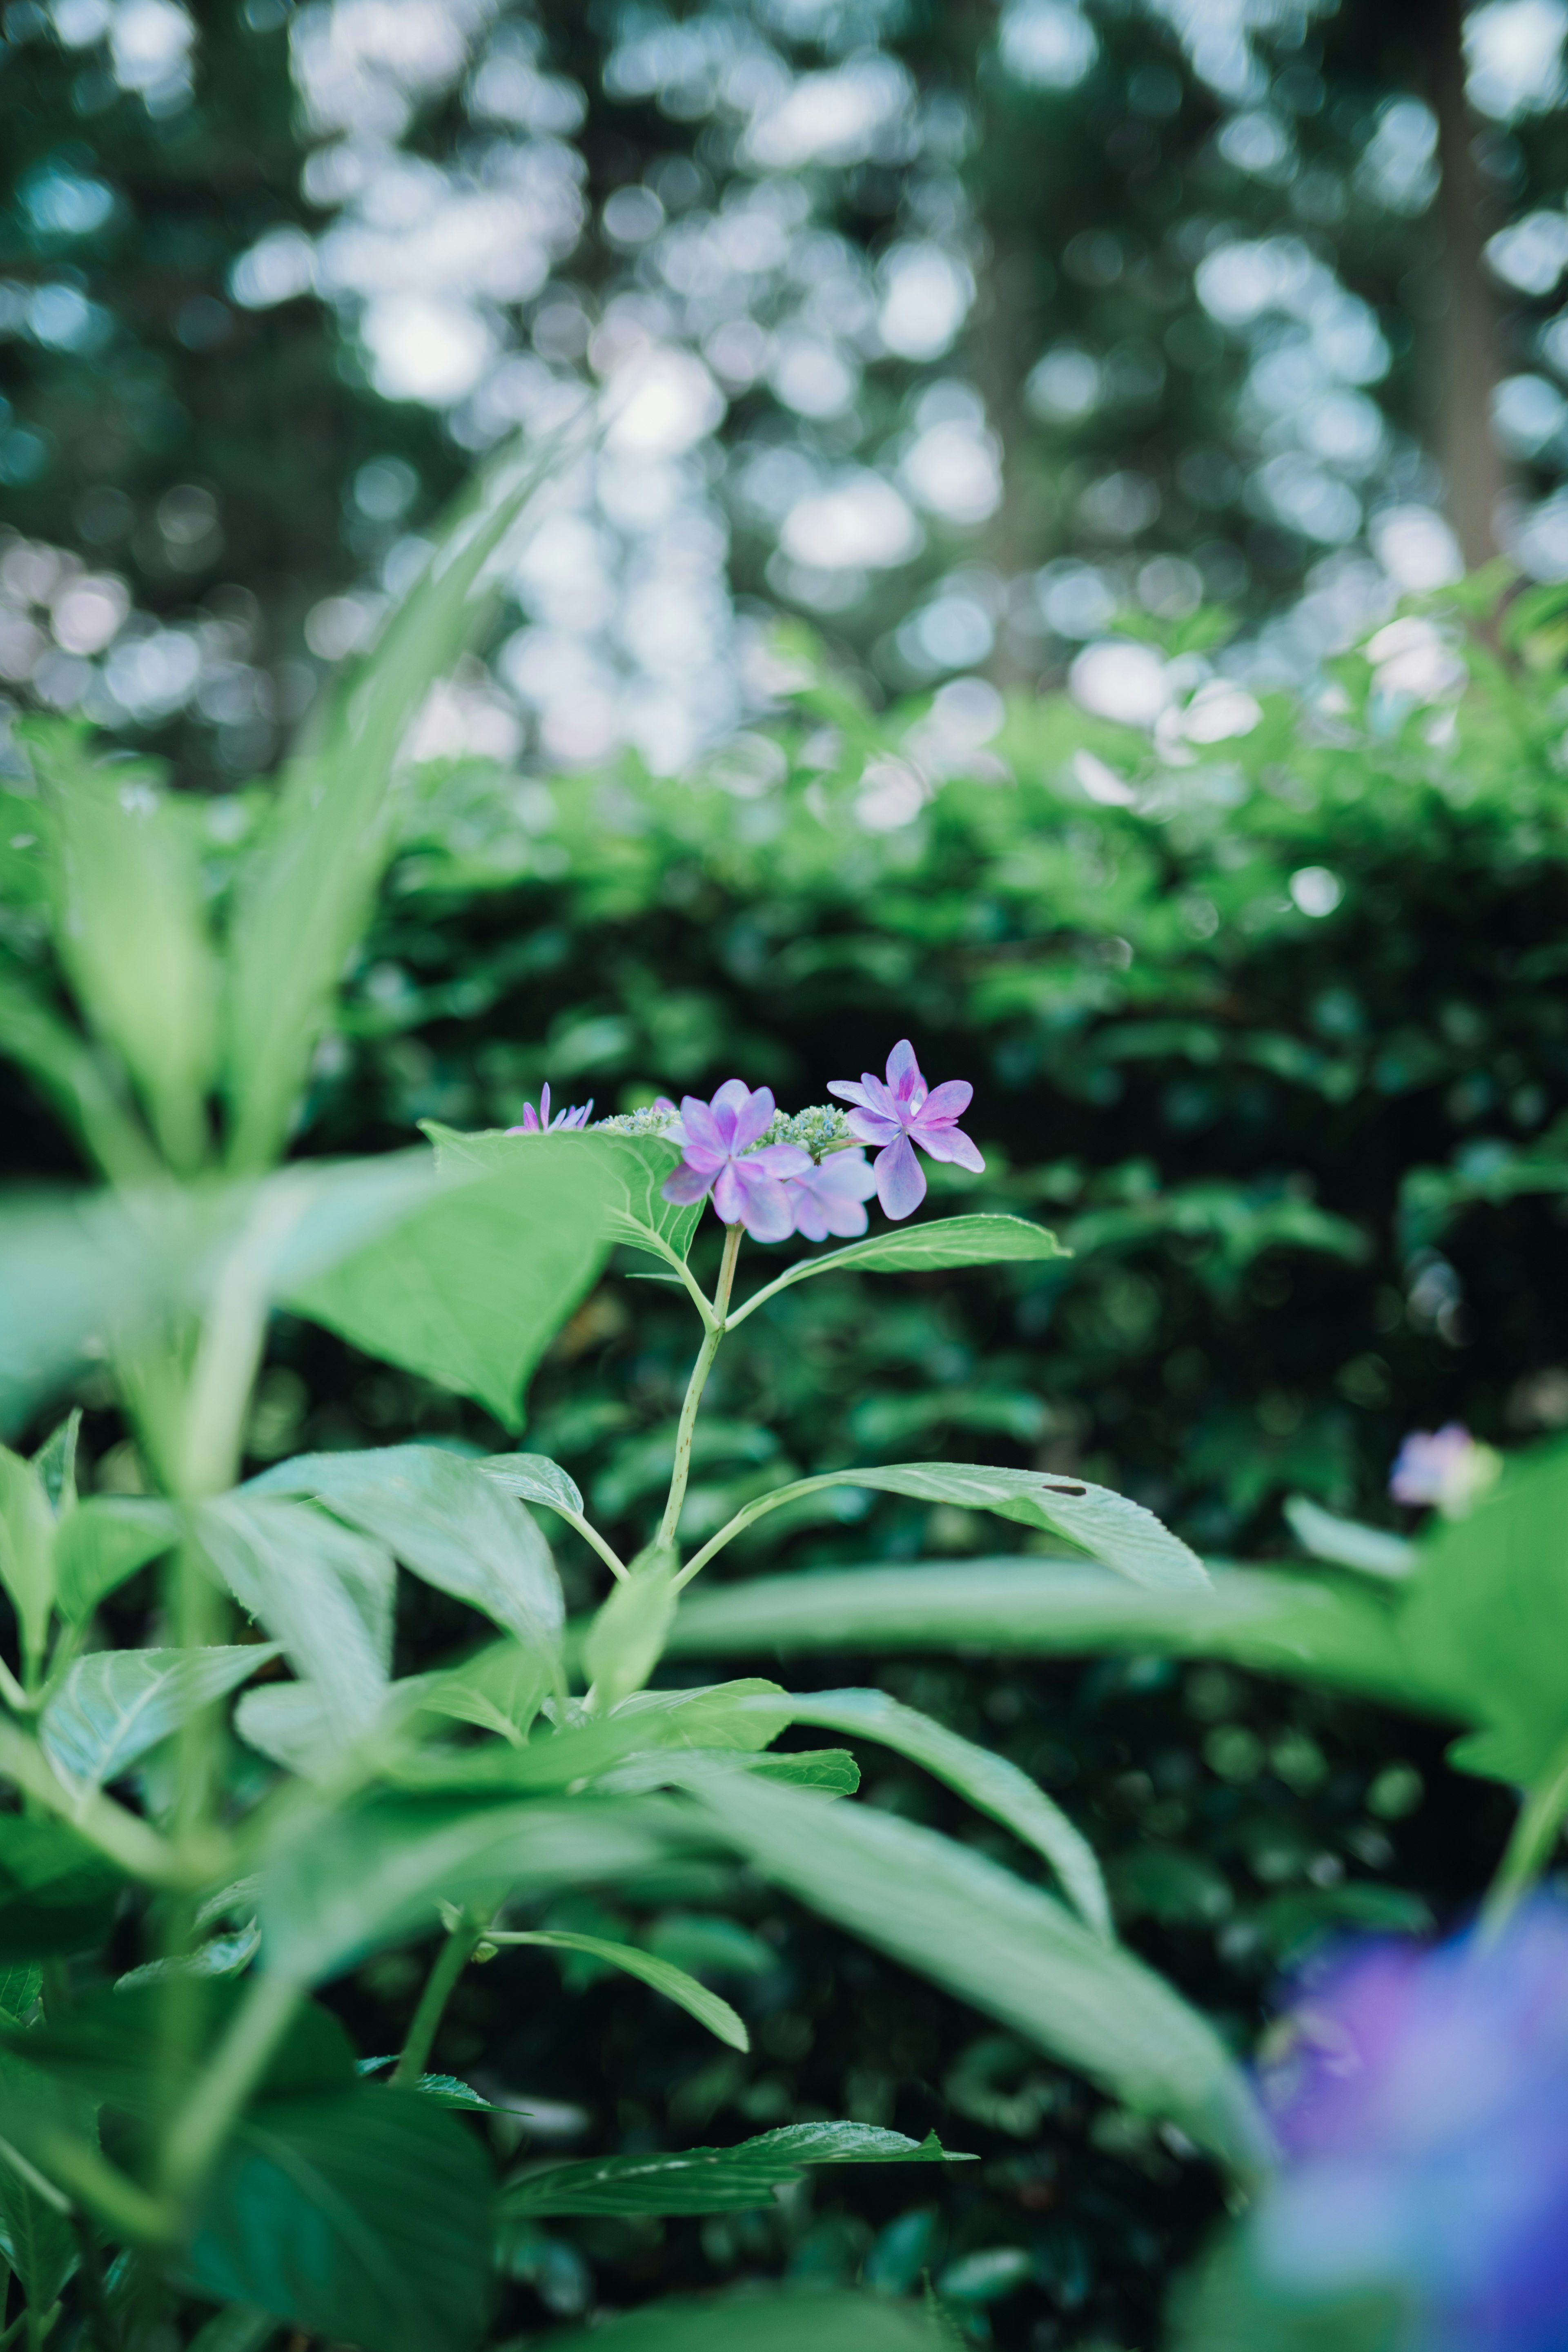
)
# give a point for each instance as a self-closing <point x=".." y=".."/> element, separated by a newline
<point x="711" y="2180"/>
<point x="363" y="2217"/>
<point x="499" y="1688"/>
<point x="115" y="1705"/>
<point x="654" y="1722"/>
<point x="637" y="1213"/>
<point x="325" y="1594"/>
<point x="104" y="1541"/>
<point x="988" y="1781"/>
<point x="57" y="1893"/>
<point x="929" y="1248"/>
<point x="663" y="1975"/>
<point x="1305" y="1628"/>
<point x="474" y="1283"/>
<point x="55" y="1462"/>
<point x="40" y="2242"/>
<point x="67" y="1073"/>
<point x="804" y="2320"/>
<point x="20" y="1984"/>
<point x="131" y="934"/>
<point x="305" y="892"/>
<point x="1486" y="1619"/>
<point x="444" y="1520"/>
<point x="625" y="1640"/>
<point x="533" y="1478"/>
<point x="26" y="1548"/>
<point x="350" y="1881"/>
<point x="1346" y="1542"/>
<point x="240" y="2328"/>
<point x="1014" y="1952"/>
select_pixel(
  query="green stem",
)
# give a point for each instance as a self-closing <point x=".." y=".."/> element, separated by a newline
<point x="440" y="1986"/>
<point x="1528" y="1850"/>
<point x="589" y="1534"/>
<point x="123" y="1836"/>
<point x="101" y="2328"/>
<point x="757" y="1510"/>
<point x="202" y="2124"/>
<point x="700" y="1371"/>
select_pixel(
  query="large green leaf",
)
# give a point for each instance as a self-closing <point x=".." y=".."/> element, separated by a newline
<point x="987" y="1780"/>
<point x="322" y="1590"/>
<point x="131" y="934"/>
<point x="342" y="1884"/>
<point x="638" y="1214"/>
<point x="104" y="1540"/>
<point x="58" y="1894"/>
<point x="362" y="2217"/>
<point x="807" y="2320"/>
<point x="711" y="2180"/>
<point x="26" y="1548"/>
<point x="740" y="1716"/>
<point x="1486" y="1619"/>
<point x="1304" y="1627"/>
<point x="929" y="1248"/>
<point x="117" y="1704"/>
<point x="1011" y="1950"/>
<point x="305" y="891"/>
<point x="445" y="1521"/>
<point x="473" y="1285"/>
<point x="663" y="1975"/>
<point x="40" y="2243"/>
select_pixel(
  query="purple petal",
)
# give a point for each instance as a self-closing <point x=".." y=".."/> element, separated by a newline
<point x="752" y="1117"/>
<point x="904" y="1078"/>
<point x="545" y="1104"/>
<point x="949" y="1143"/>
<point x="729" y="1194"/>
<point x="901" y="1179"/>
<point x="881" y="1099"/>
<point x="847" y="1090"/>
<point x="871" y="1127"/>
<point x="779" y="1159"/>
<point x="685" y="1185"/>
<point x="699" y="1155"/>
<point x="950" y="1101"/>
<point x="702" y="1128"/>
<point x="847" y="1174"/>
<point x="728" y="1106"/>
<point x="767" y="1213"/>
<point x="809" y="1218"/>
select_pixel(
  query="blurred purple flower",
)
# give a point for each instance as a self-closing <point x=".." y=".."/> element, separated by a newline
<point x="902" y="1113"/>
<point x="1446" y="1466"/>
<point x="1423" y="2108"/>
<point x="831" y="1199"/>
<point x="538" y="1122"/>
<point x="746" y="1185"/>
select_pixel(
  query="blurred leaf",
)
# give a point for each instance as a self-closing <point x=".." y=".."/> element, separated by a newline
<point x="345" y="1883"/>
<point x="130" y="932"/>
<point x="363" y="2217"/>
<point x="305" y="889"/>
<point x="323" y="1593"/>
<point x="988" y="1781"/>
<point x="663" y="1975"/>
<point x="115" y="1705"/>
<point x="1012" y="1951"/>
<point x="26" y="1549"/>
<point x="712" y="2179"/>
<point x="55" y="1462"/>
<point x="446" y="1522"/>
<point x="625" y="1640"/>
<point x="102" y="1542"/>
<point x="1347" y="1542"/>
<point x="40" y="2243"/>
<point x="57" y="1893"/>
<point x="804" y="2321"/>
<point x="68" y="1073"/>
<point x="736" y="1715"/>
<point x="473" y="1285"/>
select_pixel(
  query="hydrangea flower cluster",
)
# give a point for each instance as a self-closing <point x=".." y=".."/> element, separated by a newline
<point x="1446" y="1466"/>
<point x="1420" y="2104"/>
<point x="777" y="1172"/>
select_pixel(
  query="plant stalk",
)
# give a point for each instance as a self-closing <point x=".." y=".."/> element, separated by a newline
<point x="440" y="1986"/>
<point x="202" y="2124"/>
<point x="665" y="1539"/>
<point x="1529" y="1849"/>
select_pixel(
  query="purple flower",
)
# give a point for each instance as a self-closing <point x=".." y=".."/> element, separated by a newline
<point x="539" y="1122"/>
<point x="900" y="1115"/>
<point x="1446" y="1466"/>
<point x="1423" y="2107"/>
<point x="746" y="1185"/>
<point x="831" y="1199"/>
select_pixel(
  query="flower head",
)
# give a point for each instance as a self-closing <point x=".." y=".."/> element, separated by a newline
<point x="717" y="1158"/>
<point x="539" y="1122"/>
<point x="831" y="1198"/>
<point x="900" y="1114"/>
<point x="1421" y="2106"/>
<point x="1446" y="1466"/>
